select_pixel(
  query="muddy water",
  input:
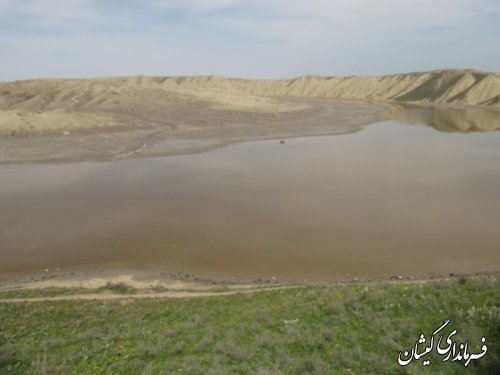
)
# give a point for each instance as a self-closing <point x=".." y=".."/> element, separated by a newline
<point x="393" y="199"/>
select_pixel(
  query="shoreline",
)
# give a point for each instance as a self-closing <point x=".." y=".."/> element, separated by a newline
<point x="179" y="282"/>
<point x="186" y="133"/>
<point x="214" y="128"/>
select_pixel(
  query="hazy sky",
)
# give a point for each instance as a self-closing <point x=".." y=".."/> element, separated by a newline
<point x="254" y="39"/>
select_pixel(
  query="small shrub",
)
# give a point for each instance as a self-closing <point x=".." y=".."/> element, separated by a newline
<point x="120" y="288"/>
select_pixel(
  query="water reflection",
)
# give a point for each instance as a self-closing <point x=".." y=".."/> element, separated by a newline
<point x="450" y="120"/>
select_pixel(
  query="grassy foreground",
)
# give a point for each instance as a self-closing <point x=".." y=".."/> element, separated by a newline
<point x="339" y="329"/>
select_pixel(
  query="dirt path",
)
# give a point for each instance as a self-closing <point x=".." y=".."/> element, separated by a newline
<point x="162" y="295"/>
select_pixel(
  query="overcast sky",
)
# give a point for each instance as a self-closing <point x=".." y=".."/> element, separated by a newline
<point x="249" y="39"/>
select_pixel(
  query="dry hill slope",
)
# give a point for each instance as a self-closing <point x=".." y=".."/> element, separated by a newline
<point x="462" y="87"/>
<point x="48" y="105"/>
<point x="123" y="116"/>
<point x="57" y="104"/>
<point x="439" y="87"/>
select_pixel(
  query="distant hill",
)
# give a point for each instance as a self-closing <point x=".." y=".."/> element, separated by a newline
<point x="122" y="116"/>
<point x="438" y="87"/>
<point x="456" y="87"/>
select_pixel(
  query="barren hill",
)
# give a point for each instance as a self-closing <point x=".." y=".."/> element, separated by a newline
<point x="53" y="104"/>
<point x="148" y="115"/>
<point x="466" y="87"/>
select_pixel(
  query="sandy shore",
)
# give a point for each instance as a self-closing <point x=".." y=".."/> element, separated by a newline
<point x="138" y="284"/>
<point x="95" y="278"/>
<point x="104" y="285"/>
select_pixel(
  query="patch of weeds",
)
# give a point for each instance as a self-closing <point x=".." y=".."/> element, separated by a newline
<point x="220" y="289"/>
<point x="8" y="358"/>
<point x="203" y="345"/>
<point x="264" y="340"/>
<point x="119" y="288"/>
<point x="45" y="292"/>
<point x="159" y="289"/>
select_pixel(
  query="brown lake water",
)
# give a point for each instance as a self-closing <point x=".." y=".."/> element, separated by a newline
<point x="393" y="199"/>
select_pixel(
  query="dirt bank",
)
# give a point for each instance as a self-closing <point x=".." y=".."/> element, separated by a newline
<point x="184" y="129"/>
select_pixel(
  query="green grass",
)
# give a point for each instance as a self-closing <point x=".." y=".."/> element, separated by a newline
<point x="115" y="288"/>
<point x="46" y="292"/>
<point x="341" y="329"/>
